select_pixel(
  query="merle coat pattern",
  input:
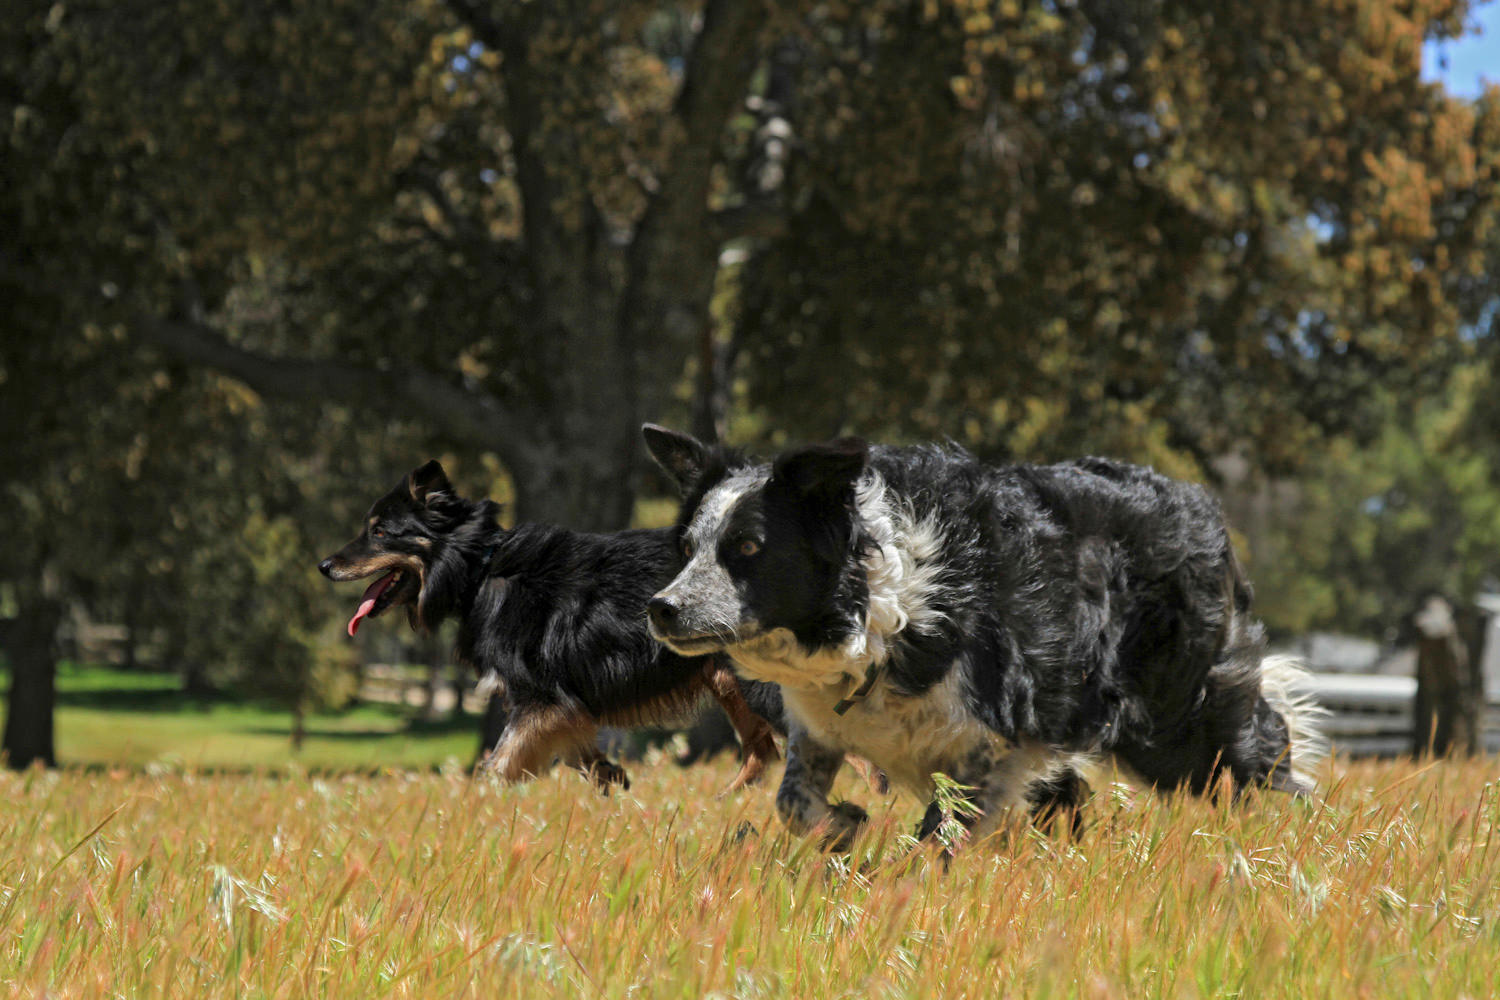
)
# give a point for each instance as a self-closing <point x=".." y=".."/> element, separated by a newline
<point x="1004" y="625"/>
<point x="555" y="617"/>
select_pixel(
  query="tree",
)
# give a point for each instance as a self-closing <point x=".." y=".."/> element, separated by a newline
<point x="133" y="483"/>
<point x="521" y="246"/>
<point x="1170" y="231"/>
<point x="1199" y="226"/>
<point x="1165" y="230"/>
<point x="1369" y="531"/>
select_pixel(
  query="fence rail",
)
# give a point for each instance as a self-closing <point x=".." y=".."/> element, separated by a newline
<point x="1371" y="715"/>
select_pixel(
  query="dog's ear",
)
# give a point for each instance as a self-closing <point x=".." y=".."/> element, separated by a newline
<point x="683" y="456"/>
<point x="822" y="470"/>
<point x="427" y="482"/>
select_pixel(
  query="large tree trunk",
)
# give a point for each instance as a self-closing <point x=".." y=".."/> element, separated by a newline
<point x="30" y="647"/>
<point x="612" y="325"/>
<point x="578" y="470"/>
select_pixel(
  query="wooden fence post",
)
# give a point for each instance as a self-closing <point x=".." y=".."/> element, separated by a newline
<point x="1445" y="718"/>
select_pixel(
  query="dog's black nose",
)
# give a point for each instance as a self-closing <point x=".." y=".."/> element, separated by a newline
<point x="326" y="567"/>
<point x="663" y="613"/>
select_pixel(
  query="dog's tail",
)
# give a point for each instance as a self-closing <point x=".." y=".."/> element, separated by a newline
<point x="1285" y="686"/>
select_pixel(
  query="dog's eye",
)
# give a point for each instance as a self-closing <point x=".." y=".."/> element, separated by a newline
<point x="377" y="532"/>
<point x="749" y="547"/>
<point x="687" y="548"/>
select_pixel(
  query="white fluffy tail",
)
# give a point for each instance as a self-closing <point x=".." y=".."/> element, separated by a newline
<point x="1284" y="683"/>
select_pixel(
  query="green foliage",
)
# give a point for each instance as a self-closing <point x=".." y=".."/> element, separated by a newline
<point x="1165" y="231"/>
<point x="1122" y="227"/>
<point x="1369" y="530"/>
<point x="168" y="498"/>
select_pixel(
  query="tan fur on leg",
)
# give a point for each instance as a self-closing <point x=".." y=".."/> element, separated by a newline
<point x="872" y="775"/>
<point x="757" y="739"/>
<point x="598" y="768"/>
<point x="533" y="738"/>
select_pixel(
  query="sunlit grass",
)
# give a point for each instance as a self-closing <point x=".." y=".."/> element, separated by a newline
<point x="236" y="737"/>
<point x="117" y="718"/>
<point x="432" y="885"/>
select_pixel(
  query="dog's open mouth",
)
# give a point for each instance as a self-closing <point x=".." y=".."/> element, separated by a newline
<point x="393" y="588"/>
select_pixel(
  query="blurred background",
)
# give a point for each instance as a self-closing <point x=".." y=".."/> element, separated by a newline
<point x="257" y="260"/>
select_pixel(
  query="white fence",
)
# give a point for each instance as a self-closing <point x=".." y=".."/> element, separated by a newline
<point x="1371" y="715"/>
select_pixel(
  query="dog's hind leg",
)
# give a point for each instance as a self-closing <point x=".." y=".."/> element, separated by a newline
<point x="533" y="736"/>
<point x="757" y="741"/>
<point x="1237" y="730"/>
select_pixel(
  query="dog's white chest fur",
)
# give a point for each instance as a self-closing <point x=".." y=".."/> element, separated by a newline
<point x="907" y="736"/>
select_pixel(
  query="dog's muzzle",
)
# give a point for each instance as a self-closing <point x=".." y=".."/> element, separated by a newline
<point x="664" y="622"/>
<point x="663" y="615"/>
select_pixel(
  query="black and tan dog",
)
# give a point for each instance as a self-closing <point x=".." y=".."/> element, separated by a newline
<point x="556" y="617"/>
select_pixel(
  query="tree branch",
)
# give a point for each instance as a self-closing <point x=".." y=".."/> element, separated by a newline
<point x="427" y="182"/>
<point x="522" y="106"/>
<point x="718" y="68"/>
<point x="472" y="417"/>
<point x="673" y="257"/>
<point x="750" y="220"/>
<point x="493" y="32"/>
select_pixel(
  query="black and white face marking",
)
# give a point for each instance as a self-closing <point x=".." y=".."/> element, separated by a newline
<point x="704" y="608"/>
<point x="772" y="574"/>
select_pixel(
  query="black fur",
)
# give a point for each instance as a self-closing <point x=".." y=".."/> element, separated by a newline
<point x="556" y="616"/>
<point x="1092" y="607"/>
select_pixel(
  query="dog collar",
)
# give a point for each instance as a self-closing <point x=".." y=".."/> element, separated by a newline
<point x="872" y="673"/>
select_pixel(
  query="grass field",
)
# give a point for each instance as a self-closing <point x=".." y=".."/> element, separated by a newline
<point x="432" y="885"/>
<point x="115" y="718"/>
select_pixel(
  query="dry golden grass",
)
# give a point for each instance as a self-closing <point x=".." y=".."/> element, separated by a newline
<point x="430" y="885"/>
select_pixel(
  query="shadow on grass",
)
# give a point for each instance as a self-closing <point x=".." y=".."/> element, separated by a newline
<point x="316" y="728"/>
<point x="161" y="701"/>
<point x="136" y="700"/>
<point x="289" y="770"/>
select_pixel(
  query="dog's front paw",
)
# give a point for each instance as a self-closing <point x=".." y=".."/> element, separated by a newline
<point x="841" y="825"/>
<point x="604" y="774"/>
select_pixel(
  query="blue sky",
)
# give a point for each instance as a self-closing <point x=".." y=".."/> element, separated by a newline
<point x="1471" y="58"/>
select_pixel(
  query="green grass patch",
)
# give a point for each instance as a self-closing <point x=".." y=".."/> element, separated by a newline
<point x="134" y="719"/>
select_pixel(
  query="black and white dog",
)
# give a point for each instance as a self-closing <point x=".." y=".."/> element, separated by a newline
<point x="1005" y="626"/>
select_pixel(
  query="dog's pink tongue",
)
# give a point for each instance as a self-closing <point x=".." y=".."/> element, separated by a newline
<point x="367" y="603"/>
